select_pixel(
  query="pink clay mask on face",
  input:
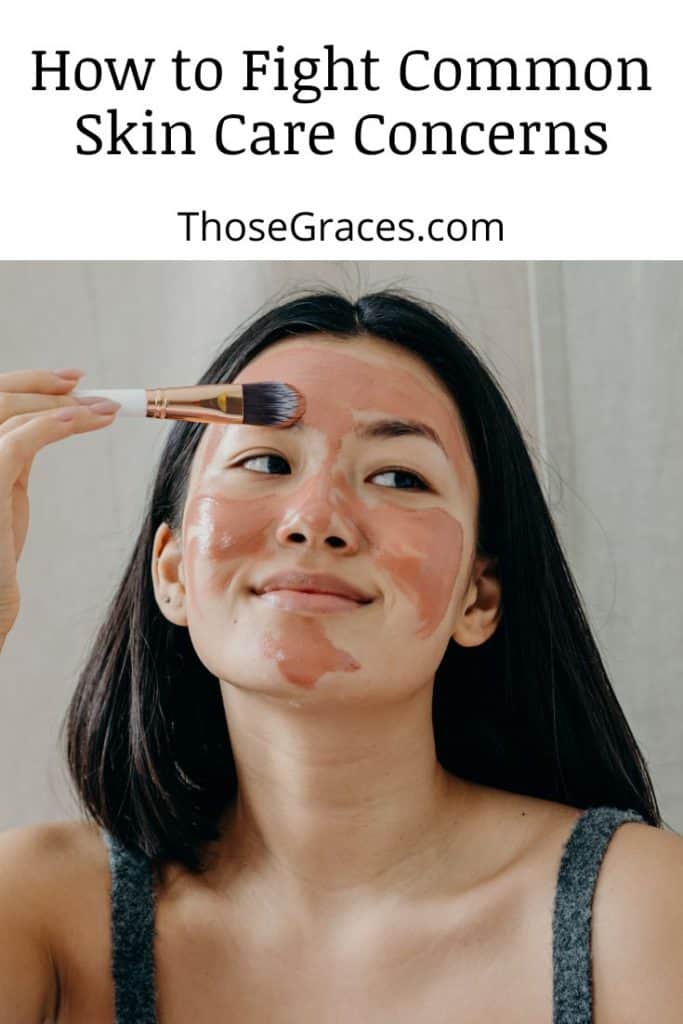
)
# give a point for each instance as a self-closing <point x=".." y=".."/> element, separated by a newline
<point x="402" y="545"/>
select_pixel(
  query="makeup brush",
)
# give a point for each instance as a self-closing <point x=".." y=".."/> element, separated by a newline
<point x="267" y="403"/>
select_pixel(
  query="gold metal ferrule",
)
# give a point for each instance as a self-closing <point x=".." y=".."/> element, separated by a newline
<point x="202" y="403"/>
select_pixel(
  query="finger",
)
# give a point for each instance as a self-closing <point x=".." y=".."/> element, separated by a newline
<point x="27" y="434"/>
<point x="47" y="382"/>
<point x="12" y="404"/>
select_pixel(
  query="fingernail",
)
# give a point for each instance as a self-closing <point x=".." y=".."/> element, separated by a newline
<point x="89" y="400"/>
<point x="69" y="374"/>
<point x="105" y="406"/>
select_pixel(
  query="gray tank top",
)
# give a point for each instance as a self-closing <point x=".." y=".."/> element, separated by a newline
<point x="133" y="903"/>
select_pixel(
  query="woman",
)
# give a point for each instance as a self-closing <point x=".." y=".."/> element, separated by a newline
<point x="375" y="813"/>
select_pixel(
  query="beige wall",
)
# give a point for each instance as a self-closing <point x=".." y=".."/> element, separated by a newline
<point x="586" y="353"/>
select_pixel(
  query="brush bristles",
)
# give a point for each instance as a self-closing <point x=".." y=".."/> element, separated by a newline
<point x="272" y="403"/>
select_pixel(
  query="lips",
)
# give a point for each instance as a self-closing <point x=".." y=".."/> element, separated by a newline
<point x="313" y="583"/>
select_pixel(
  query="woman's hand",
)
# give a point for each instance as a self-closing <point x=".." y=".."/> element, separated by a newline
<point x="35" y="410"/>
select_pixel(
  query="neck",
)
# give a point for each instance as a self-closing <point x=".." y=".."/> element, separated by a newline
<point x="336" y="805"/>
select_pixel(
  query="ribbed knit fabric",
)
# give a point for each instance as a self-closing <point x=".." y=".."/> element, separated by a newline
<point x="132" y="922"/>
<point x="572" y="915"/>
<point x="132" y="935"/>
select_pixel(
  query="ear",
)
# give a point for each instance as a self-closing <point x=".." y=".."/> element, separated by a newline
<point x="168" y="575"/>
<point x="481" y="606"/>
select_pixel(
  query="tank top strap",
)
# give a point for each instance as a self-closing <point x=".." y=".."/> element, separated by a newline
<point x="132" y="934"/>
<point x="572" y="913"/>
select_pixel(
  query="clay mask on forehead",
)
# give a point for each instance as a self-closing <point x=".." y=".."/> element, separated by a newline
<point x="402" y="544"/>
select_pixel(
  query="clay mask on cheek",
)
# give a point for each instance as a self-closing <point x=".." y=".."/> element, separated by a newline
<point x="219" y="534"/>
<point x="423" y="558"/>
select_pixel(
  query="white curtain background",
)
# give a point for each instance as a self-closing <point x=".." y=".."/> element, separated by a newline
<point x="589" y="354"/>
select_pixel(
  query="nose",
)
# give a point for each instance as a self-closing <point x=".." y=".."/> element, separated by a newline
<point x="319" y="516"/>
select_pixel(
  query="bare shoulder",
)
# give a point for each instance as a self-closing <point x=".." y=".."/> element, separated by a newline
<point x="522" y="827"/>
<point x="637" y="928"/>
<point x="54" y="867"/>
<point x="38" y="852"/>
<point x="40" y="869"/>
<point x="54" y="886"/>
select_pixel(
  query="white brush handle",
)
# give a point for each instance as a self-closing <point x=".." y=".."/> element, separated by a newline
<point x="133" y="400"/>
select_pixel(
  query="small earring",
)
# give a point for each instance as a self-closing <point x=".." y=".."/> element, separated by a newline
<point x="167" y="600"/>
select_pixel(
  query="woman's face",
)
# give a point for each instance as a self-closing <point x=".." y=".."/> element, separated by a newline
<point x="321" y="497"/>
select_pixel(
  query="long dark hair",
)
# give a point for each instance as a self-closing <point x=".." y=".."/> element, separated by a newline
<point x="529" y="711"/>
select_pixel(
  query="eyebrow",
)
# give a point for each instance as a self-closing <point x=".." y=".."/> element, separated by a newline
<point x="387" y="428"/>
<point x="398" y="428"/>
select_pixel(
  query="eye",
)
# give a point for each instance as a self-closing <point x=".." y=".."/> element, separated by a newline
<point x="403" y="473"/>
<point x="398" y="472"/>
<point x="260" y="455"/>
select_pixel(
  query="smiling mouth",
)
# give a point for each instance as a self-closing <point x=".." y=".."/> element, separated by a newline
<point x="309" y="601"/>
